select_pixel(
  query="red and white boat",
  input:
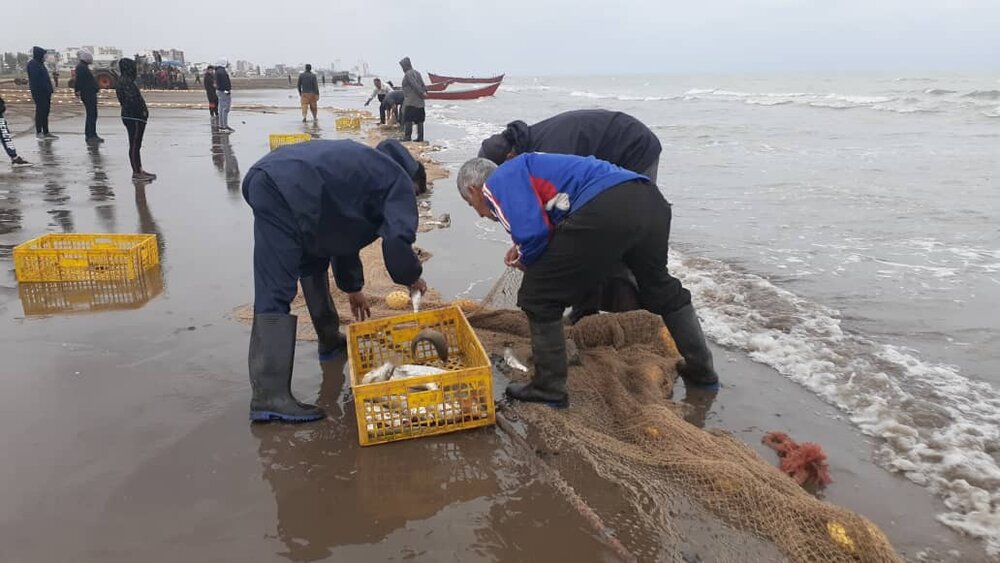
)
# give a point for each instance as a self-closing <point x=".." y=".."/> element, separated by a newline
<point x="438" y="78"/>
<point x="464" y="94"/>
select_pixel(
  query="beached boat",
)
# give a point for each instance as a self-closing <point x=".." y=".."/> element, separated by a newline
<point x="436" y="78"/>
<point x="464" y="94"/>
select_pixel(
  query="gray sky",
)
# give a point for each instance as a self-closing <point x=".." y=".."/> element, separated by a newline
<point x="537" y="36"/>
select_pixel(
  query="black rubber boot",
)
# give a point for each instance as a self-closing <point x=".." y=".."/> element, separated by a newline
<point x="420" y="132"/>
<point x="407" y="130"/>
<point x="548" y="385"/>
<point x="697" y="368"/>
<point x="316" y="290"/>
<point x="272" y="353"/>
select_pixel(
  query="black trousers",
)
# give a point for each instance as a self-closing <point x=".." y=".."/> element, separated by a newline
<point x="42" y="106"/>
<point x="381" y="109"/>
<point x="628" y="223"/>
<point x="89" y="100"/>
<point x="136" y="129"/>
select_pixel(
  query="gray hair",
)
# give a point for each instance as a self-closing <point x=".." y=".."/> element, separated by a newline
<point x="473" y="174"/>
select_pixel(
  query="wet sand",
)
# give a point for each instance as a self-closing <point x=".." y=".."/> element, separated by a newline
<point x="126" y="435"/>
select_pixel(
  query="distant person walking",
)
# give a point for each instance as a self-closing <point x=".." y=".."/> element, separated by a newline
<point x="414" y="93"/>
<point x="85" y="87"/>
<point x="379" y="92"/>
<point x="41" y="92"/>
<point x="7" y="140"/>
<point x="224" y="90"/>
<point x="308" y="93"/>
<point x="213" y="98"/>
<point x="323" y="78"/>
<point x="135" y="114"/>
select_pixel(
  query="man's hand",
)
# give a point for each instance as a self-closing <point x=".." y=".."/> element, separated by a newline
<point x="513" y="258"/>
<point x="419" y="285"/>
<point x="359" y="305"/>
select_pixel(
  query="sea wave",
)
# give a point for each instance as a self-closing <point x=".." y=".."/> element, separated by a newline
<point x="939" y="91"/>
<point x="983" y="94"/>
<point x="935" y="425"/>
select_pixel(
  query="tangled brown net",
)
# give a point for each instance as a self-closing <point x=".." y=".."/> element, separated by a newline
<point x="679" y="492"/>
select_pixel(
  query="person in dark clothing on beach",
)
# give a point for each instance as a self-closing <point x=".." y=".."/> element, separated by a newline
<point x="7" y="140"/>
<point x="612" y="136"/>
<point x="392" y="106"/>
<point x="571" y="218"/>
<point x="85" y="86"/>
<point x="41" y="92"/>
<point x="224" y="91"/>
<point x="213" y="97"/>
<point x="308" y="93"/>
<point x="316" y="205"/>
<point x="414" y="93"/>
<point x="135" y="114"/>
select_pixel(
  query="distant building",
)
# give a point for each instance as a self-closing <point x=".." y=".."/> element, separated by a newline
<point x="172" y="55"/>
<point x="103" y="56"/>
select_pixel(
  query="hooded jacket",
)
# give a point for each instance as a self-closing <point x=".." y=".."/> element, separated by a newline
<point x="129" y="96"/>
<point x="84" y="82"/>
<point x="414" y="90"/>
<point x="222" y="81"/>
<point x="38" y="76"/>
<point x="343" y="195"/>
<point x="530" y="195"/>
<point x="613" y="136"/>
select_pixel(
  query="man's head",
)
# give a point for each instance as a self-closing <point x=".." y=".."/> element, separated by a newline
<point x="221" y="63"/>
<point x="85" y="56"/>
<point x="471" y="179"/>
<point x="378" y="82"/>
<point x="497" y="149"/>
<point x="405" y="64"/>
<point x="309" y="68"/>
<point x="37" y="53"/>
<point x="209" y="68"/>
<point x="414" y="169"/>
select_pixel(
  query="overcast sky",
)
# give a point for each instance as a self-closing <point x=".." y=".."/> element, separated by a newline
<point x="535" y="36"/>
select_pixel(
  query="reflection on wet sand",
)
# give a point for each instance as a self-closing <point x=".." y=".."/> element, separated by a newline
<point x="51" y="298"/>
<point x="101" y="190"/>
<point x="54" y="191"/>
<point x="147" y="224"/>
<point x="317" y="471"/>
<point x="224" y="159"/>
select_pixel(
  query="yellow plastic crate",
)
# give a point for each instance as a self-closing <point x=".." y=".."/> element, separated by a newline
<point x="348" y="123"/>
<point x="62" y="298"/>
<point x="281" y="139"/>
<point x="399" y="410"/>
<point x="85" y="257"/>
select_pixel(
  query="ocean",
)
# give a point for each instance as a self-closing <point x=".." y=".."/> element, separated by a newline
<point x="844" y="230"/>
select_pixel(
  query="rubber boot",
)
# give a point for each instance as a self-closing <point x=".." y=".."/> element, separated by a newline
<point x="548" y="385"/>
<point x="697" y="369"/>
<point x="420" y="132"/>
<point x="272" y="353"/>
<point x="407" y="130"/>
<point x="316" y="290"/>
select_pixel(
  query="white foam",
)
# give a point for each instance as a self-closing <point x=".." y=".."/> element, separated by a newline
<point x="937" y="427"/>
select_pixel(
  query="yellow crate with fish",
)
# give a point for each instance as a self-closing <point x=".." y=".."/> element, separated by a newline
<point x="418" y="374"/>
<point x="77" y="257"/>
<point x="349" y="123"/>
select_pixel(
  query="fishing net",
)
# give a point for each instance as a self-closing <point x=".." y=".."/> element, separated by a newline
<point x="660" y="487"/>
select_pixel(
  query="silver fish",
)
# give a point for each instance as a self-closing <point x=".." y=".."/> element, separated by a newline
<point x="512" y="361"/>
<point x="415" y="296"/>
<point x="379" y="374"/>
<point x="410" y="370"/>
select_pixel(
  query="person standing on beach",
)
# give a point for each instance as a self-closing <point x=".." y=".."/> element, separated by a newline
<point x="613" y="136"/>
<point x="379" y="92"/>
<point x="308" y="93"/>
<point x="414" y="93"/>
<point x="224" y="91"/>
<point x="135" y="114"/>
<point x="41" y="92"/>
<point x="85" y="86"/>
<point x="213" y="98"/>
<point x="316" y="205"/>
<point x="7" y="140"/>
<point x="571" y="219"/>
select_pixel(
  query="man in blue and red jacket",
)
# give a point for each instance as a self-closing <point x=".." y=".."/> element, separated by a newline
<point x="573" y="218"/>
<point x="316" y="205"/>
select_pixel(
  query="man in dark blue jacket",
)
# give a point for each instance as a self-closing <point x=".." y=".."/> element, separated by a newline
<point x="571" y="219"/>
<point x="41" y="92"/>
<point x="316" y="205"/>
<point x="613" y="136"/>
<point x="85" y="86"/>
